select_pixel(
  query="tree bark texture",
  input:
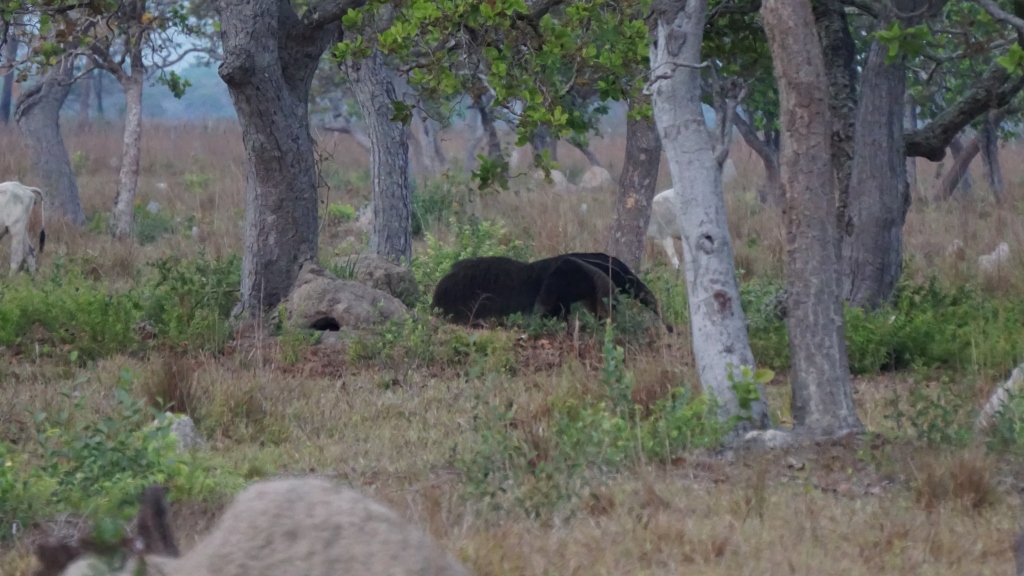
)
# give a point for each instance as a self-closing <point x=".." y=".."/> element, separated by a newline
<point x="717" y="322"/>
<point x="770" y="191"/>
<point x="990" y="155"/>
<point x="965" y="184"/>
<point x="10" y="54"/>
<point x="389" y="160"/>
<point x="879" y="199"/>
<point x="487" y="132"/>
<point x="627" y="236"/>
<point x="822" y="402"/>
<point x="839" y="51"/>
<point x="128" y="178"/>
<point x="542" y="140"/>
<point x="270" y="55"/>
<point x="37" y="113"/>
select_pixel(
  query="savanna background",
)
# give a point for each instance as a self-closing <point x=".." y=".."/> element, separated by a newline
<point x="537" y="449"/>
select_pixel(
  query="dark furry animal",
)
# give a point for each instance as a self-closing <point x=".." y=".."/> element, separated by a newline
<point x="488" y="287"/>
<point x="476" y="289"/>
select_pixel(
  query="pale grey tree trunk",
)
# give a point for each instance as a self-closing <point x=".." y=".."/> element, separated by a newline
<point x="879" y="199"/>
<point x="637" y="185"/>
<point x="959" y="170"/>
<point x="822" y="401"/>
<point x="270" y="56"/>
<point x="487" y="132"/>
<point x="10" y="54"/>
<point x="542" y="140"/>
<point x="37" y="113"/>
<point x="990" y="155"/>
<point x="425" y="131"/>
<point x="717" y="322"/>
<point x="128" y="178"/>
<point x="389" y="160"/>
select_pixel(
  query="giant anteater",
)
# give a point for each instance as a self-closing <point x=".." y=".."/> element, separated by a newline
<point x="486" y="287"/>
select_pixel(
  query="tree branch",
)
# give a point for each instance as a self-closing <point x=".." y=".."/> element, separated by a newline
<point x="866" y="6"/>
<point x="994" y="90"/>
<point x="760" y="147"/>
<point x="998" y="13"/>
<point x="328" y="12"/>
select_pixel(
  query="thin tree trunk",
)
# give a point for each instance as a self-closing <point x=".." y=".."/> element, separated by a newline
<point x="960" y="169"/>
<point x="37" y="113"/>
<point x="10" y="54"/>
<point x="822" y="403"/>
<point x="268" y="66"/>
<point x="718" y="325"/>
<point x="592" y="158"/>
<point x="389" y="160"/>
<point x="98" y="84"/>
<point x="990" y="155"/>
<point x="839" y="51"/>
<point x="964" y="179"/>
<point x="879" y="199"/>
<point x="542" y="140"/>
<point x="128" y="179"/>
<point x="84" y="100"/>
<point x="910" y="123"/>
<point x="637" y="185"/>
<point x="770" y="192"/>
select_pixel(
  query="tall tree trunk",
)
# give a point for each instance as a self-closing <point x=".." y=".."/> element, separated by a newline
<point x="990" y="155"/>
<point x="123" y="217"/>
<point x="770" y="192"/>
<point x="85" y="100"/>
<point x="839" y="51"/>
<point x="270" y="56"/>
<point x="637" y="185"/>
<point x="910" y="123"/>
<point x="964" y="179"/>
<point x="718" y="325"/>
<point x="389" y="160"/>
<point x="10" y="54"/>
<point x="37" y="113"/>
<point x="879" y="199"/>
<point x="822" y="401"/>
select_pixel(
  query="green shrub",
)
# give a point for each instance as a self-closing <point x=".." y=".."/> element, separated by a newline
<point x="190" y="301"/>
<point x="476" y="238"/>
<point x="96" y="468"/>
<point x="149" y="226"/>
<point x="71" y="311"/>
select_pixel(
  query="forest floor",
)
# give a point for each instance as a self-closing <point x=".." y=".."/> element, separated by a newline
<point x="504" y="443"/>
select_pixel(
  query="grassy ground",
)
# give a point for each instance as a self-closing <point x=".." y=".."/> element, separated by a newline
<point x="506" y="444"/>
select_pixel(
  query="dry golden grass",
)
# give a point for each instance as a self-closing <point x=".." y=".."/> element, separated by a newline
<point x="862" y="508"/>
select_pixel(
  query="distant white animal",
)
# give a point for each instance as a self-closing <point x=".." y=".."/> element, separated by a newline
<point x="16" y="204"/>
<point x="990" y="262"/>
<point x="664" y="225"/>
<point x="302" y="526"/>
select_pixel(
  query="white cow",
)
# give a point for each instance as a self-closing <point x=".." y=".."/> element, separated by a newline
<point x="664" y="226"/>
<point x="16" y="204"/>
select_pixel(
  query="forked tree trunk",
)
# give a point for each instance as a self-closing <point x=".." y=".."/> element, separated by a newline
<point x="990" y="155"/>
<point x="10" y="54"/>
<point x="37" y="113"/>
<point x="959" y="171"/>
<point x="822" y="401"/>
<point x="389" y="160"/>
<point x="128" y="179"/>
<point x="269" y="60"/>
<point x="717" y="322"/>
<point x="879" y="199"/>
<point x="486" y="132"/>
<point x="637" y="185"/>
